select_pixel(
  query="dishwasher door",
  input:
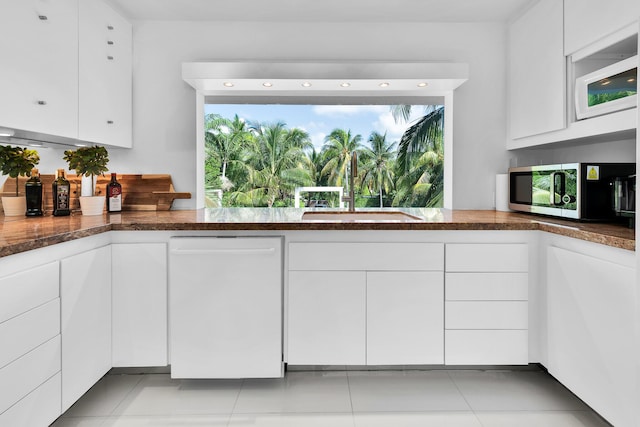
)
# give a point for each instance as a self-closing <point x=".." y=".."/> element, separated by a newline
<point x="225" y="307"/>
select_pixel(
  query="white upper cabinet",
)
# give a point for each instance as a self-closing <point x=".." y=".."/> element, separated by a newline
<point x="587" y="21"/>
<point x="537" y="71"/>
<point x="105" y="53"/>
<point x="39" y="75"/>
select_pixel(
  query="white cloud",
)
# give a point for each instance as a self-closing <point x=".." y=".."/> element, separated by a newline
<point x="341" y="110"/>
<point x="318" y="139"/>
<point x="386" y="123"/>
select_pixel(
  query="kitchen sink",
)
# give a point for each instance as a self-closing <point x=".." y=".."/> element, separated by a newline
<point x="359" y="216"/>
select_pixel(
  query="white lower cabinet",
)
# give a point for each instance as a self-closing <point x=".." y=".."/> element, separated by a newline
<point x="590" y="324"/>
<point x="404" y="318"/>
<point x="363" y="311"/>
<point x="30" y="347"/>
<point x="39" y="408"/>
<point x="139" y="297"/>
<point x="327" y="317"/>
<point x="486" y="309"/>
<point x="85" y="293"/>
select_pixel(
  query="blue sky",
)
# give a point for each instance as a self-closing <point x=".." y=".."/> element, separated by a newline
<point x="320" y="120"/>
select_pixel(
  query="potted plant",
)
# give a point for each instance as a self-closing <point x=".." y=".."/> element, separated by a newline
<point x="89" y="162"/>
<point x="15" y="162"/>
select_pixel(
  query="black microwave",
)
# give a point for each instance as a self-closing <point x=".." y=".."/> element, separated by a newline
<point x="582" y="191"/>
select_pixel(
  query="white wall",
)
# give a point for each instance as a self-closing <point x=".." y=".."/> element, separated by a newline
<point x="164" y="132"/>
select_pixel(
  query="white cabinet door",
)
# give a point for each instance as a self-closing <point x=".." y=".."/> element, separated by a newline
<point x="105" y="60"/>
<point x="85" y="294"/>
<point x="39" y="75"/>
<point x="139" y="289"/>
<point x="590" y="329"/>
<point x="537" y="71"/>
<point x="587" y="21"/>
<point x="405" y="318"/>
<point x="327" y="318"/>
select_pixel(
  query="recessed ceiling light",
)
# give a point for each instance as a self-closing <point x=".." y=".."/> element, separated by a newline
<point x="7" y="132"/>
<point x="384" y="84"/>
<point x="422" y="84"/>
<point x="631" y="80"/>
<point x="33" y="144"/>
<point x="306" y="84"/>
<point x="267" y="84"/>
<point x="80" y="145"/>
<point x="228" y="84"/>
<point x="345" y="84"/>
<point x="605" y="82"/>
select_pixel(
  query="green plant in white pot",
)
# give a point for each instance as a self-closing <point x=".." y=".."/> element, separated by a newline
<point x="89" y="162"/>
<point x="16" y="162"/>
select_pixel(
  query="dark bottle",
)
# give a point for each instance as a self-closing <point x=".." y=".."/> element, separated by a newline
<point x="114" y="195"/>
<point x="61" y="195"/>
<point x="33" y="192"/>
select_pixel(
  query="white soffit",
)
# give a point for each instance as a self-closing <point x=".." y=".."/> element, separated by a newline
<point x="324" y="78"/>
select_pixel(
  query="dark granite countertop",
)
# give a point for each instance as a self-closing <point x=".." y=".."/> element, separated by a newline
<point x="18" y="234"/>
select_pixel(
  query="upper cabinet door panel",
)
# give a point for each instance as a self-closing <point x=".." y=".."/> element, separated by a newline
<point x="587" y="21"/>
<point x="105" y="58"/>
<point x="39" y="76"/>
<point x="537" y="71"/>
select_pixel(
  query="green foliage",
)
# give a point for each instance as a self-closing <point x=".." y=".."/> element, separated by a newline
<point x="16" y="161"/>
<point x="601" y="98"/>
<point x="88" y="161"/>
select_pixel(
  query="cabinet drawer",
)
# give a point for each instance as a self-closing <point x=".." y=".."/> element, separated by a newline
<point x="486" y="315"/>
<point x="39" y="408"/>
<point x="28" y="372"/>
<point x="487" y="286"/>
<point x="493" y="257"/>
<point x="366" y="256"/>
<point x="25" y="332"/>
<point x="486" y="347"/>
<point x="28" y="289"/>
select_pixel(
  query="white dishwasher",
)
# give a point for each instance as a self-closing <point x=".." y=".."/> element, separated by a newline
<point x="225" y="307"/>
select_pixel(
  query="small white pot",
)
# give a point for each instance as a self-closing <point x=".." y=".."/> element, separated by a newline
<point x="14" y="206"/>
<point x="92" y="205"/>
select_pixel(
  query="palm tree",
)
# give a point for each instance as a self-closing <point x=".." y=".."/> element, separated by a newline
<point x="226" y="139"/>
<point x="337" y="149"/>
<point x="420" y="164"/>
<point x="378" y="161"/>
<point x="277" y="164"/>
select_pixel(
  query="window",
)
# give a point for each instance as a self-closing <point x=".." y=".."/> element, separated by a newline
<point x="258" y="154"/>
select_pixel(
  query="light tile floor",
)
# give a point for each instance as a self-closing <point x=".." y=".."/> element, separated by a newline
<point x="442" y="398"/>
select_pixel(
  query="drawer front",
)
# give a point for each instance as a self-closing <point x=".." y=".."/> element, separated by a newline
<point x="486" y="286"/>
<point x="26" y="290"/>
<point x="25" y="332"/>
<point x="486" y="315"/>
<point x="28" y="372"/>
<point x="366" y="256"/>
<point x="493" y="257"/>
<point x="486" y="347"/>
<point x="39" y="408"/>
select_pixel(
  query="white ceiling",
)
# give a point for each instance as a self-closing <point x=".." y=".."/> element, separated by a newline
<point x="323" y="10"/>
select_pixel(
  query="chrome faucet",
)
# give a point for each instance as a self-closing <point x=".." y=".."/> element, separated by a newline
<point x="351" y="198"/>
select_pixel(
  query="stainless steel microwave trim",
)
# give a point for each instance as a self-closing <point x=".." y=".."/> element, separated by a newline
<point x="564" y="213"/>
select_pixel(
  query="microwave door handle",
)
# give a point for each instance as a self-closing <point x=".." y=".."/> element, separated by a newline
<point x="552" y="192"/>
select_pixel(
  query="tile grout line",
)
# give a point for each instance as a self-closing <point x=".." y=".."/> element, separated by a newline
<point x="473" y="411"/>
<point x="353" y="415"/>
<point x="235" y="403"/>
<point x="140" y="379"/>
